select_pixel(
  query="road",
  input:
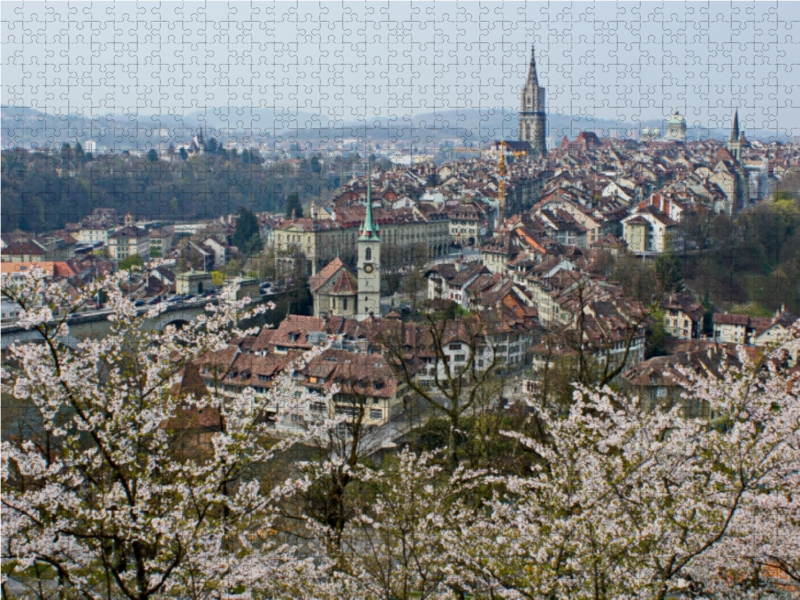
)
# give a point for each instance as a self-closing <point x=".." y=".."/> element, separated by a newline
<point x="468" y="254"/>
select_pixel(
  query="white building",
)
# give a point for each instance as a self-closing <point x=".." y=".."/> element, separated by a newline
<point x="650" y="230"/>
<point x="94" y="233"/>
<point x="128" y="241"/>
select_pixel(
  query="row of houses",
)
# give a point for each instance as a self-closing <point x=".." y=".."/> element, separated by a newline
<point x="359" y="362"/>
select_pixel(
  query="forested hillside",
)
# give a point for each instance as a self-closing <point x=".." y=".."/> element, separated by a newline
<point x="750" y="262"/>
<point x="42" y="192"/>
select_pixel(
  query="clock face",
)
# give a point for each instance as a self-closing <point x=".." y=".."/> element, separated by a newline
<point x="368" y="268"/>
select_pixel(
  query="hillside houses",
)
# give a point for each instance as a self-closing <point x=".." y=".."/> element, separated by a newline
<point x="755" y="331"/>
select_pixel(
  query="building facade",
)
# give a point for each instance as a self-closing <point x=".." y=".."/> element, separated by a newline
<point x="128" y="241"/>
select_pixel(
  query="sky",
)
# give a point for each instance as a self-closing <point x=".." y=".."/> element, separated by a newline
<point x="354" y="61"/>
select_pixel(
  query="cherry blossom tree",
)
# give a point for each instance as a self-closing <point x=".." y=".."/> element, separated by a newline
<point x="107" y="495"/>
<point x="107" y="498"/>
<point x="394" y="548"/>
<point x="626" y="503"/>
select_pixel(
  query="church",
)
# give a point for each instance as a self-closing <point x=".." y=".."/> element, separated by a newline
<point x="532" y="115"/>
<point x="337" y="291"/>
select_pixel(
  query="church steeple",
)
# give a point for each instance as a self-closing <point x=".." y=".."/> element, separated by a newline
<point x="369" y="259"/>
<point x="369" y="230"/>
<point x="532" y="118"/>
<point x="735" y="141"/>
<point x="533" y="79"/>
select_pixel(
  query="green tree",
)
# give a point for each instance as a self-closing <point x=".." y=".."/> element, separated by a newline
<point x="293" y="206"/>
<point x="782" y="195"/>
<point x="152" y="156"/>
<point x="669" y="273"/>
<point x="217" y="278"/>
<point x="155" y="252"/>
<point x="134" y="260"/>
<point x="183" y="154"/>
<point x="316" y="167"/>
<point x="246" y="237"/>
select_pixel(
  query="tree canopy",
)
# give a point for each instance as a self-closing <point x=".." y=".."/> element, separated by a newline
<point x="246" y="237"/>
<point x="293" y="206"/>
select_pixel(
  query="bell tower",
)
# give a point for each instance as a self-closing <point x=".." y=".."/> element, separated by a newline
<point x="369" y="259"/>
<point x="532" y="117"/>
<point x="735" y="141"/>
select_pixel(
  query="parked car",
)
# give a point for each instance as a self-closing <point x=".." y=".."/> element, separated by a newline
<point x="139" y="302"/>
<point x="265" y="285"/>
<point x="175" y="298"/>
<point x="188" y="296"/>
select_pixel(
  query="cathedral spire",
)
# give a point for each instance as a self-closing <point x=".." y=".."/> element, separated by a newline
<point x="369" y="230"/>
<point x="735" y="128"/>
<point x="532" y="114"/>
<point x="532" y="78"/>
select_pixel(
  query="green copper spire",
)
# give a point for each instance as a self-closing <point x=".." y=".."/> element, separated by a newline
<point x="369" y="230"/>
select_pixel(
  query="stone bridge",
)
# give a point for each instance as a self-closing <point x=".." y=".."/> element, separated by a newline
<point x="95" y="324"/>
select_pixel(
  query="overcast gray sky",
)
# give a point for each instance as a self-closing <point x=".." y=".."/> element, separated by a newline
<point x="349" y="61"/>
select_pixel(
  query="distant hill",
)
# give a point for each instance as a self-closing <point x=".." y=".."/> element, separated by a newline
<point x="30" y="127"/>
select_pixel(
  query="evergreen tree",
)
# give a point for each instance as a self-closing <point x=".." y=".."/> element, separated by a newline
<point x="246" y="237"/>
<point x="293" y="206"/>
<point x="152" y="156"/>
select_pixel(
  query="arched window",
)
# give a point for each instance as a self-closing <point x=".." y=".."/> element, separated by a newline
<point x="368" y="254"/>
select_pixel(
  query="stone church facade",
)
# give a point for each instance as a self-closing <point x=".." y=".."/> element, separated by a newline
<point x="532" y="117"/>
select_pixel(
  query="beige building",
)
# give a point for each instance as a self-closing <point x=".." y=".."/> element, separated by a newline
<point x="335" y="291"/>
<point x="320" y="241"/>
<point x="128" y="241"/>
<point x="91" y="234"/>
<point x="650" y="230"/>
<point x="161" y="240"/>
<point x="193" y="282"/>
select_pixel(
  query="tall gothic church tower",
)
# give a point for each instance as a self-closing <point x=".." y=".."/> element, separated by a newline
<point x="735" y="141"/>
<point x="532" y="118"/>
<point x="369" y="260"/>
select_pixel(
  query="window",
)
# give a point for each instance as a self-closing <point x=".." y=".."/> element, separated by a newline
<point x="344" y="303"/>
<point x="317" y="406"/>
<point x="350" y="411"/>
<point x="368" y="254"/>
<point x="376" y="413"/>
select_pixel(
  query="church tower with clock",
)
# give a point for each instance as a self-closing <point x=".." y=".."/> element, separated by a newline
<point x="369" y="260"/>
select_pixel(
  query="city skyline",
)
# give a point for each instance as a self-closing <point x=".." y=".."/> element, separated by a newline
<point x="355" y="63"/>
